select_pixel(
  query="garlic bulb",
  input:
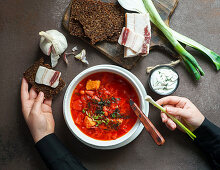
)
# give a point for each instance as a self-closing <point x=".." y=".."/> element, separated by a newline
<point x="53" y="43"/>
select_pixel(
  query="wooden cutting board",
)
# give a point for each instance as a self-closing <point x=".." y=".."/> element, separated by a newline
<point x="116" y="52"/>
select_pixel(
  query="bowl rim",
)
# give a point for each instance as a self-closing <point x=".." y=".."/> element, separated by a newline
<point x="67" y="112"/>
<point x="159" y="67"/>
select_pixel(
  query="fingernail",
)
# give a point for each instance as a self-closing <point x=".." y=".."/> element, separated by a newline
<point x="41" y="94"/>
<point x="173" y="125"/>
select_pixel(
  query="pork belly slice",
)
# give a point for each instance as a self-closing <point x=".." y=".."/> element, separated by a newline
<point x="47" y="77"/>
<point x="130" y="39"/>
<point x="138" y="23"/>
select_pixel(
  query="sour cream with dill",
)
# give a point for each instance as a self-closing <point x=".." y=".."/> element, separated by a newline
<point x="164" y="80"/>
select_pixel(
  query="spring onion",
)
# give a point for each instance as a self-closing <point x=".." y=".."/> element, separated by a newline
<point x="150" y="100"/>
<point x="144" y="6"/>
<point x="215" y="58"/>
<point x="187" y="58"/>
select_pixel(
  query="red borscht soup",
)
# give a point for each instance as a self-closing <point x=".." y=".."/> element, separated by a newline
<point x="100" y="106"/>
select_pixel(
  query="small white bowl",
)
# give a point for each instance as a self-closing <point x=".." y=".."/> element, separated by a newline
<point x="99" y="144"/>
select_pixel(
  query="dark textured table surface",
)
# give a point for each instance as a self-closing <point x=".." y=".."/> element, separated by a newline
<point x="20" y="22"/>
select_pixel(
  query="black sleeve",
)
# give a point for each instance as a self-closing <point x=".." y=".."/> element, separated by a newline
<point x="56" y="156"/>
<point x="208" y="139"/>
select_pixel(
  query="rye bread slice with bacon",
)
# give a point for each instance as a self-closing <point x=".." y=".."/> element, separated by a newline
<point x="30" y="74"/>
<point x="100" y="21"/>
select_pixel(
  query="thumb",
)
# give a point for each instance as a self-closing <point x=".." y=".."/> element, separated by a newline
<point x="176" y="111"/>
<point x="38" y="101"/>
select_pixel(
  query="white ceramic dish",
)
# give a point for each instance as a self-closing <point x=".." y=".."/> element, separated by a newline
<point x="98" y="144"/>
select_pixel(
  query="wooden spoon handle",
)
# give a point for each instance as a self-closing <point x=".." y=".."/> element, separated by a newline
<point x="155" y="134"/>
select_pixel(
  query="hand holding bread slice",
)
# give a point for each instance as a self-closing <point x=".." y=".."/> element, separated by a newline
<point x="30" y="76"/>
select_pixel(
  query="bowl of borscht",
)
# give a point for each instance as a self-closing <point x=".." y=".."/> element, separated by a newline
<point x="96" y="106"/>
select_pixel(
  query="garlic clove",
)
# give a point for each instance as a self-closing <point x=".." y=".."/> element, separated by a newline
<point x="82" y="57"/>
<point x="74" y="49"/>
<point x="85" y="61"/>
<point x="54" y="59"/>
<point x="65" y="58"/>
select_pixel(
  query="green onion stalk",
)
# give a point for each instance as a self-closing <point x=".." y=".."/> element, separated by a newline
<point x="150" y="100"/>
<point x="174" y="38"/>
<point x="215" y="58"/>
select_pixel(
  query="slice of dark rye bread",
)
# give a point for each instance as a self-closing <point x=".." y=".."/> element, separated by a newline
<point x="30" y="74"/>
<point x="96" y="20"/>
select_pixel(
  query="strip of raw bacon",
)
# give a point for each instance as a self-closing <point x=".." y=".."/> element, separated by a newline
<point x="139" y="23"/>
<point x="146" y="45"/>
<point x="54" y="78"/>
<point x="125" y="36"/>
<point x="47" y="77"/>
<point x="131" y="39"/>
